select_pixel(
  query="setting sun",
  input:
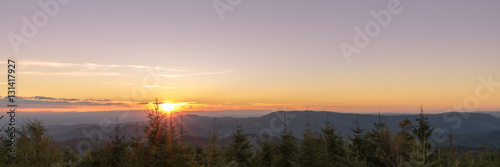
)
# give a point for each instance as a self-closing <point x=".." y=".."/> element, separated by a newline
<point x="169" y="106"/>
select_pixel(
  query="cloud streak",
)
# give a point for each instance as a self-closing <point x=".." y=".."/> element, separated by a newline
<point x="74" y="73"/>
<point x="41" y="101"/>
<point x="93" y="69"/>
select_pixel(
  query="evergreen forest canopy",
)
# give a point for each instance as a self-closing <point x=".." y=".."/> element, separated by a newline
<point x="164" y="145"/>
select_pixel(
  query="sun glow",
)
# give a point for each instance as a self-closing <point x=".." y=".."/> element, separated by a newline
<point x="167" y="106"/>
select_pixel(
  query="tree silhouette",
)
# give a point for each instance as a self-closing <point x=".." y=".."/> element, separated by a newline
<point x="214" y="157"/>
<point x="240" y="150"/>
<point x="309" y="149"/>
<point x="423" y="131"/>
<point x="287" y="148"/>
<point x="333" y="145"/>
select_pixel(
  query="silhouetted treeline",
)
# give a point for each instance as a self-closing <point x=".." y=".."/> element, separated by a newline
<point x="163" y="145"/>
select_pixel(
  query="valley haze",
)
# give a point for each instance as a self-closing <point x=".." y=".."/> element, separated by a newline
<point x="69" y="126"/>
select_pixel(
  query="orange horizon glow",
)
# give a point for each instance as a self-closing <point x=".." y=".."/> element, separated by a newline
<point x="170" y="107"/>
<point x="187" y="107"/>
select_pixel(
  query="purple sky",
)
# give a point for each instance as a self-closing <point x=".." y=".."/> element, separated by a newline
<point x="263" y="55"/>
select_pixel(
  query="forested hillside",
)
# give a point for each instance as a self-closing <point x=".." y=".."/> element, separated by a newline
<point x="164" y="144"/>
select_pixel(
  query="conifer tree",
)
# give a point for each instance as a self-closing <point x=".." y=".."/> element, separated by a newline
<point x="139" y="150"/>
<point x="114" y="152"/>
<point x="119" y="147"/>
<point x="333" y="144"/>
<point x="239" y="150"/>
<point x="4" y="148"/>
<point x="267" y="152"/>
<point x="359" y="143"/>
<point x="404" y="142"/>
<point x="309" y="146"/>
<point x="287" y="148"/>
<point x="154" y="128"/>
<point x="183" y="152"/>
<point x="214" y="157"/>
<point x="423" y="131"/>
<point x="35" y="146"/>
<point x="381" y="144"/>
<point x="157" y="137"/>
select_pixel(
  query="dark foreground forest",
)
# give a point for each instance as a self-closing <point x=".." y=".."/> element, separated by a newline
<point x="164" y="145"/>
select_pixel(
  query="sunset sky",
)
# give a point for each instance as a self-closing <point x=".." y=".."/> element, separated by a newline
<point x="262" y="55"/>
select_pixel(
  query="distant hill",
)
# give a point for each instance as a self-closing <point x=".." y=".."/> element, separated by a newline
<point x="490" y="139"/>
<point x="467" y="128"/>
<point x="494" y="113"/>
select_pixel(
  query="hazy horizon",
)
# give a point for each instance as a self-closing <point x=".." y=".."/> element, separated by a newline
<point x="72" y="118"/>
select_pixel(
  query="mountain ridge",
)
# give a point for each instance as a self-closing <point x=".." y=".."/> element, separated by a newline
<point x="461" y="124"/>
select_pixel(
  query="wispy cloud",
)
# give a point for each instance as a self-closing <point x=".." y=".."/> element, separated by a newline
<point x="41" y="101"/>
<point x="160" y="68"/>
<point x="172" y="76"/>
<point x="214" y="73"/>
<point x="92" y="66"/>
<point x="74" y="73"/>
<point x="51" y="98"/>
<point x="196" y="73"/>
<point x="47" y="64"/>
<point x="168" y="87"/>
<point x="93" y="69"/>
